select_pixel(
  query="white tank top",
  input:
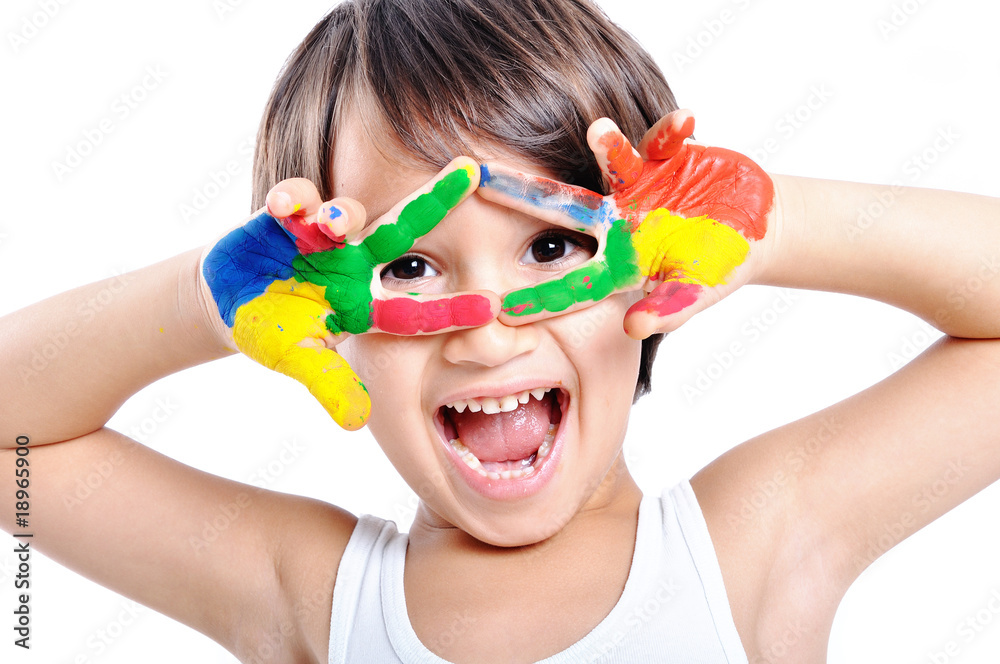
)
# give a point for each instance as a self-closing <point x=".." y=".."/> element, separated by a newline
<point x="673" y="608"/>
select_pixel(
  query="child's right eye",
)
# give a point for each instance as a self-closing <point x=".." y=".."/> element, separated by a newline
<point x="407" y="268"/>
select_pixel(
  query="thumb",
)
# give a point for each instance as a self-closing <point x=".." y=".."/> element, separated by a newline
<point x="288" y="334"/>
<point x="331" y="380"/>
<point x="667" y="307"/>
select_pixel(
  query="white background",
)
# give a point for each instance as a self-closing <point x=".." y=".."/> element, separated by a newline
<point x="887" y="93"/>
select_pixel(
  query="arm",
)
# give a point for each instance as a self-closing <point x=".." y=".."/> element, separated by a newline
<point x="120" y="335"/>
<point x="142" y="533"/>
<point x="933" y="253"/>
<point x="270" y="567"/>
<point x="842" y="477"/>
<point x="855" y="476"/>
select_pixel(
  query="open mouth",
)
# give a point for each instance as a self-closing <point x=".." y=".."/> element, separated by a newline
<point x="504" y="438"/>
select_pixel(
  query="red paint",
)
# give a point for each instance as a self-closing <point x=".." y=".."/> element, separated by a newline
<point x="310" y="238"/>
<point x="667" y="141"/>
<point x="403" y="315"/>
<point x="667" y="298"/>
<point x="624" y="166"/>
<point x="518" y="310"/>
<point x="586" y="282"/>
<point x="704" y="181"/>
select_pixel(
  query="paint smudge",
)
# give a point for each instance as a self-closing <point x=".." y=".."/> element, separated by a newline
<point x="706" y="182"/>
<point x="284" y="285"/>
<point x="346" y="273"/>
<point x="696" y="250"/>
<point x="301" y="354"/>
<point x="668" y="298"/>
<point x="586" y="207"/>
<point x="687" y="220"/>
<point x="405" y="316"/>
<point x="624" y="165"/>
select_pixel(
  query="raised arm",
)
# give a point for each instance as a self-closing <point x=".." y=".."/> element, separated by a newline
<point x="845" y="484"/>
<point x="283" y="289"/>
<point x="862" y="475"/>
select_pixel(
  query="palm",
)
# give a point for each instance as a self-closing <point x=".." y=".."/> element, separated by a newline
<point x="287" y="292"/>
<point x="679" y="224"/>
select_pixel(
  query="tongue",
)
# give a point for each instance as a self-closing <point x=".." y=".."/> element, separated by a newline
<point x="505" y="436"/>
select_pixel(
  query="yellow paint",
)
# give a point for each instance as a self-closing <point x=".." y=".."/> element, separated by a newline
<point x="161" y="330"/>
<point x="285" y="332"/>
<point x="698" y="250"/>
<point x="302" y="289"/>
<point x="298" y="206"/>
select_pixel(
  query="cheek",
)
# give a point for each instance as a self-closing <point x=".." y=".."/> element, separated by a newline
<point x="390" y="368"/>
<point x="607" y="363"/>
<point x="594" y="337"/>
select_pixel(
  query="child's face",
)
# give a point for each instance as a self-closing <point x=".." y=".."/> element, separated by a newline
<point x="585" y="357"/>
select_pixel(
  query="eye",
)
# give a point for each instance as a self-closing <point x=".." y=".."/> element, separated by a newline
<point x="558" y="248"/>
<point x="407" y="268"/>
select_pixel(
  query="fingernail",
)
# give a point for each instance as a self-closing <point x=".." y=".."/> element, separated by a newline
<point x="331" y="212"/>
<point x="279" y="198"/>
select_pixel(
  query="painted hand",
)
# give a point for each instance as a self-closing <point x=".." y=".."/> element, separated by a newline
<point x="680" y="225"/>
<point x="299" y="277"/>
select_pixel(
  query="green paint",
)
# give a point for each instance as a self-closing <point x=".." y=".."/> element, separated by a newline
<point x="621" y="257"/>
<point x="591" y="282"/>
<point x="346" y="273"/>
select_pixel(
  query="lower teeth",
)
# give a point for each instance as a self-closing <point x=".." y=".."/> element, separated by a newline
<point x="528" y="466"/>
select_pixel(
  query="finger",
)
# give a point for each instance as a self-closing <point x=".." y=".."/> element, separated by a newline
<point x="341" y="219"/>
<point x="336" y="223"/>
<point x="618" y="160"/>
<point x="294" y="196"/>
<point x="580" y="288"/>
<point x="666" y="137"/>
<point x="295" y="203"/>
<point x="670" y="305"/>
<point x="558" y="203"/>
<point x="288" y="334"/>
<point x="395" y="232"/>
<point x="426" y="314"/>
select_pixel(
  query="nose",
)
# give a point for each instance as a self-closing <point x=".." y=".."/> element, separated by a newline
<point x="490" y="345"/>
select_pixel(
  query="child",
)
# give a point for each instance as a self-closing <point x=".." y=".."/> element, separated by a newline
<point x="579" y="552"/>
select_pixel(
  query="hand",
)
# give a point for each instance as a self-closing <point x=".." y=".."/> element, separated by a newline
<point x="680" y="224"/>
<point x="299" y="277"/>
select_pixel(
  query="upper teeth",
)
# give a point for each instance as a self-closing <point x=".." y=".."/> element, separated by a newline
<point x="492" y="406"/>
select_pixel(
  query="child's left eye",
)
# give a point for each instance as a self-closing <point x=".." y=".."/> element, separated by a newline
<point x="408" y="268"/>
<point x="557" y="248"/>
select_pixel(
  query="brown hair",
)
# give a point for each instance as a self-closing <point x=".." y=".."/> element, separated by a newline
<point x="525" y="76"/>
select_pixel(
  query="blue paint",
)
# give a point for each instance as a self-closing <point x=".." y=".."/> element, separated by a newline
<point x="243" y="264"/>
<point x="580" y="204"/>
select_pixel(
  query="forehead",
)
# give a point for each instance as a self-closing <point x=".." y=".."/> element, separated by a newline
<point x="378" y="174"/>
<point x="365" y="173"/>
